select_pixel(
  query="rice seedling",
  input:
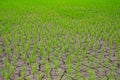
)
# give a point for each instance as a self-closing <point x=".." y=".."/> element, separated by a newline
<point x="6" y="42"/>
<point x="23" y="57"/>
<point x="20" y="78"/>
<point x="77" y="70"/>
<point x="22" y="72"/>
<point x="1" y="50"/>
<point x="15" y="59"/>
<point x="92" y="74"/>
<point x="47" y="70"/>
<point x="106" y="62"/>
<point x="12" y="68"/>
<point x="34" y="69"/>
<point x="30" y="60"/>
<point x="68" y="34"/>
<point x="40" y="77"/>
<point x="7" y="76"/>
<point x="69" y="70"/>
<point x="28" y="77"/>
<point x="3" y="72"/>
<point x="6" y="61"/>
<point x="56" y="64"/>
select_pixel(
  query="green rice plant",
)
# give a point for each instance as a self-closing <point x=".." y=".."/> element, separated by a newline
<point x="47" y="70"/>
<point x="96" y="46"/>
<point x="34" y="69"/>
<point x="118" y="77"/>
<point x="30" y="60"/>
<point x="23" y="72"/>
<point x="69" y="69"/>
<point x="60" y="73"/>
<point x="7" y="76"/>
<point x="55" y="52"/>
<point x="14" y="59"/>
<point x="20" y="78"/>
<point x="28" y="78"/>
<point x="22" y="40"/>
<point x="91" y="43"/>
<point x="83" y="78"/>
<point x="112" y="68"/>
<point x="76" y="52"/>
<point x="15" y="45"/>
<point x="97" y="64"/>
<point x="79" y="58"/>
<point x="12" y="69"/>
<point x="104" y="78"/>
<point x="63" y="29"/>
<point x="9" y="36"/>
<point x="40" y="77"/>
<point x="90" y="64"/>
<point x="3" y="73"/>
<point x="43" y="61"/>
<point x="41" y="51"/>
<point x="92" y="74"/>
<point x="33" y="56"/>
<point x="77" y="70"/>
<point x="69" y="59"/>
<point x="111" y="43"/>
<point x="100" y="57"/>
<point x="0" y="50"/>
<point x="56" y="64"/>
<point x="8" y="51"/>
<point x="23" y="57"/>
<point x="61" y="45"/>
<point x="70" y="50"/>
<point x="60" y="56"/>
<point x="91" y="58"/>
<point x="83" y="52"/>
<point x="48" y="50"/>
<point x="111" y="76"/>
<point x="106" y="63"/>
<point x="7" y="46"/>
<point x="27" y="47"/>
<point x="33" y="53"/>
<point x="7" y="64"/>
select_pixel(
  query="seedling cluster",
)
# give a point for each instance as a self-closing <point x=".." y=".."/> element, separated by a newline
<point x="66" y="40"/>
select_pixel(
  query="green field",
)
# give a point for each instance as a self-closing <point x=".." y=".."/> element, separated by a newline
<point x="59" y="39"/>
